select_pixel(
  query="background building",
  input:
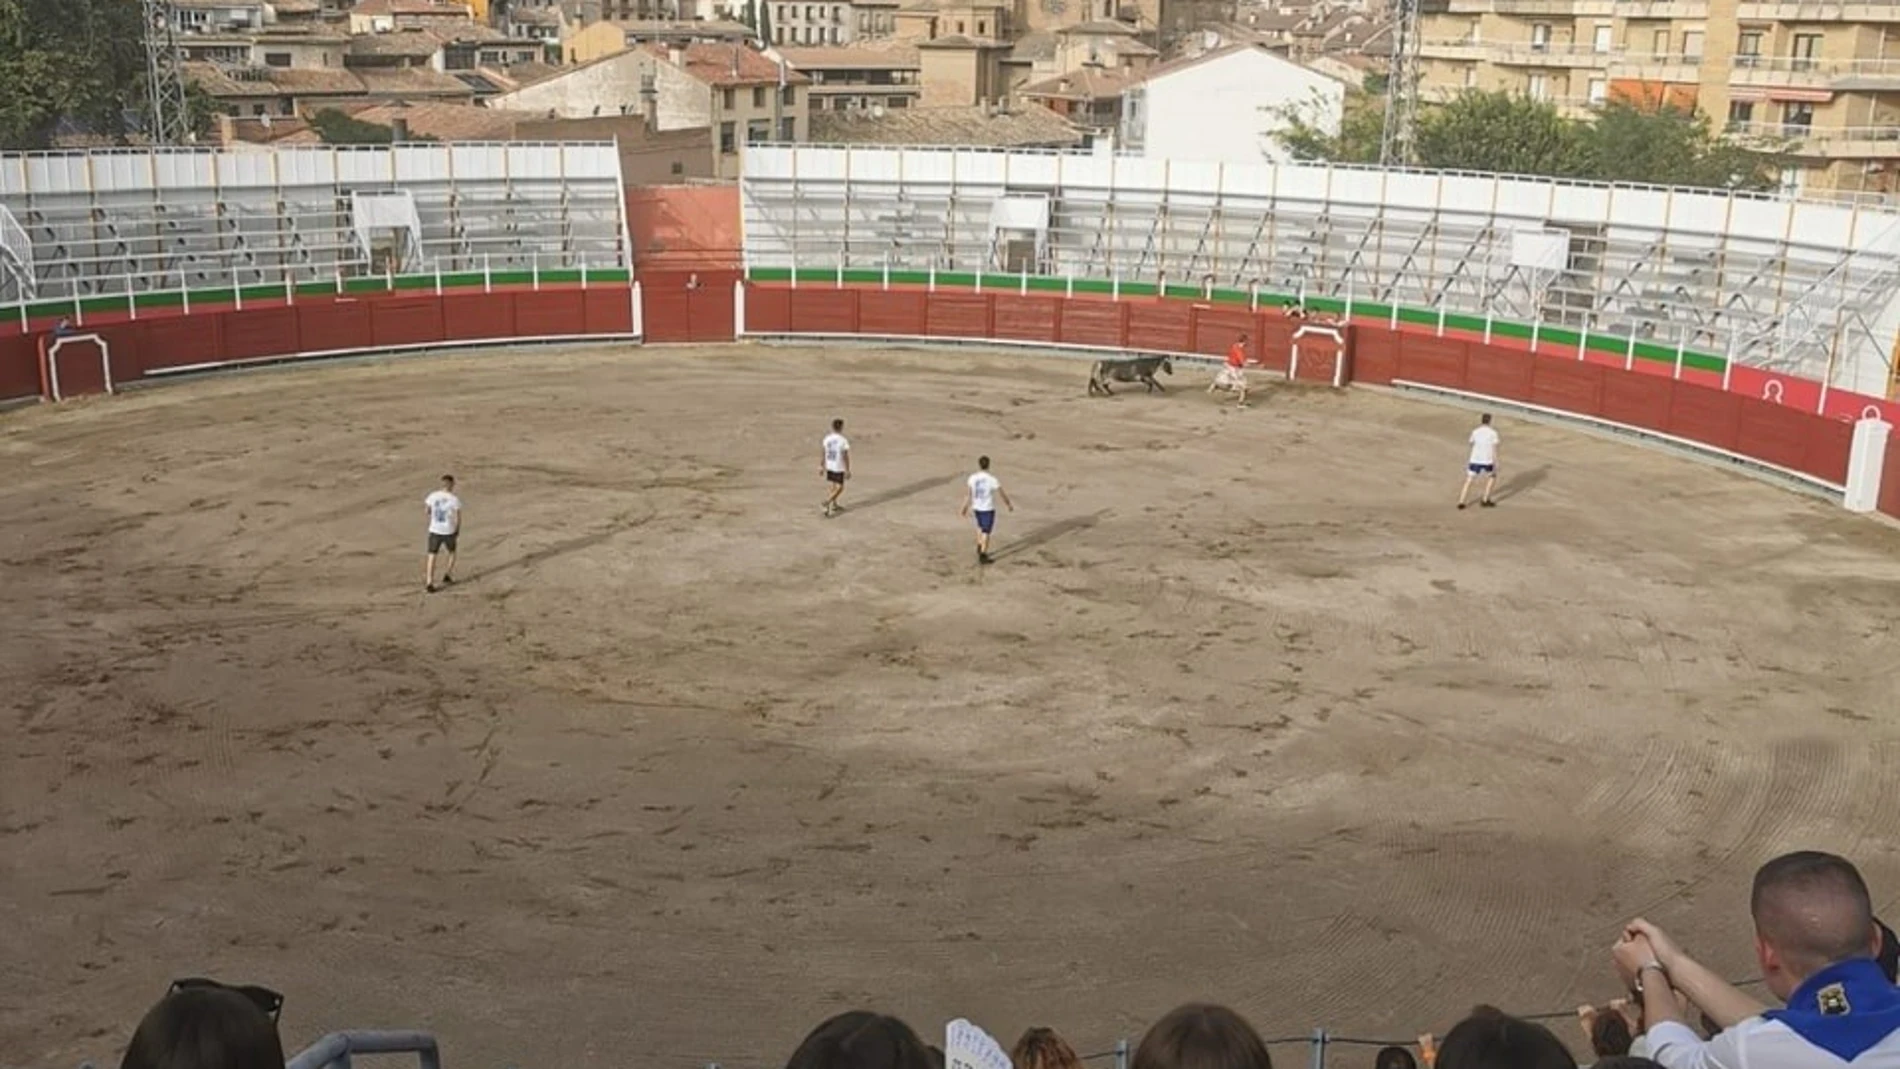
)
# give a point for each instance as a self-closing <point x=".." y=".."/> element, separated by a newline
<point x="1226" y="105"/>
<point x="857" y="79"/>
<point x="1821" y="78"/>
<point x="738" y="94"/>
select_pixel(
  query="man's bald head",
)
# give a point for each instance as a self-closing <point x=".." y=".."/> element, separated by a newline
<point x="1813" y="909"/>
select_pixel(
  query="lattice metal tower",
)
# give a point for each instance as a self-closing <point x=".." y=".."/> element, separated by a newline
<point x="164" y="76"/>
<point x="1401" y="88"/>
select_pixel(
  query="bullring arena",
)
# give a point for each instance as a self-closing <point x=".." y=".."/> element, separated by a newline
<point x="1245" y="710"/>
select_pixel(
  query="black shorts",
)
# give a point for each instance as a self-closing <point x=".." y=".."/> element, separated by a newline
<point x="835" y="477"/>
<point x="440" y="542"/>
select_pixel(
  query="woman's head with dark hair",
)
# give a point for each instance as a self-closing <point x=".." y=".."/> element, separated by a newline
<point x="1042" y="1048"/>
<point x="1625" y="1061"/>
<point x="1200" y="1036"/>
<point x="1394" y="1058"/>
<point x="205" y="1028"/>
<point x="1610" y="1034"/>
<point x="862" y="1040"/>
<point x="1491" y="1039"/>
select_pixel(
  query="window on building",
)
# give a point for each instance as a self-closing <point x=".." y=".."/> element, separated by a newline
<point x="1659" y="43"/>
<point x="1600" y="38"/>
<point x="258" y="109"/>
<point x="898" y="102"/>
<point x="727" y="142"/>
<point x="728" y="99"/>
<point x="1797" y="116"/>
<point x="276" y="59"/>
<point x="1538" y="87"/>
<point x="1692" y="45"/>
<point x="982" y="28"/>
<point x="959" y="25"/>
<point x="781" y="13"/>
<point x="678" y="167"/>
<point x="1540" y="37"/>
<point x="788" y="129"/>
<point x="758" y="131"/>
<point x="758" y="96"/>
<point x="1807" y="49"/>
<point x="1599" y="92"/>
<point x="1748" y="48"/>
<point x="789" y="95"/>
<point x="1741" y="112"/>
<point x="1471" y="77"/>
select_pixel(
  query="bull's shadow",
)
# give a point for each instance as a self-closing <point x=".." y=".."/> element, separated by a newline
<point x="1049" y="532"/>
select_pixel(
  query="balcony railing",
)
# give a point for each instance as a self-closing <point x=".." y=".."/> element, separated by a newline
<point x="1807" y="139"/>
<point x="1818" y="11"/>
<point x="1663" y="9"/>
<point x="1554" y="54"/>
<point x="1842" y="74"/>
<point x="1657" y="66"/>
<point x="1553" y="7"/>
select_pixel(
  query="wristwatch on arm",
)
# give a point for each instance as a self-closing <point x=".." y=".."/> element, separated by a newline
<point x="1647" y="966"/>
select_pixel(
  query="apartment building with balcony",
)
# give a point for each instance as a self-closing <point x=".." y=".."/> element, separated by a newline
<point x="1817" y="79"/>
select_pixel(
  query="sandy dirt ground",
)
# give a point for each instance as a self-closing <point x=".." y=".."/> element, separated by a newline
<point x="1245" y="711"/>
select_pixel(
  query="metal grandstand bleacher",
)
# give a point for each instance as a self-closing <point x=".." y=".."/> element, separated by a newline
<point x="1801" y="287"/>
<point x="96" y="223"/>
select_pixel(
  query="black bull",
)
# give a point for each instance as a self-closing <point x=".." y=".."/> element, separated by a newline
<point x="1141" y="369"/>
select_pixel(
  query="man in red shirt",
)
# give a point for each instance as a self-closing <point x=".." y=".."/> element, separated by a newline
<point x="1233" y="374"/>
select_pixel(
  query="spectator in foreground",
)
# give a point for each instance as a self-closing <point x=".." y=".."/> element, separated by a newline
<point x="1492" y="1039"/>
<point x="862" y="1040"/>
<point x="1817" y="943"/>
<point x="1607" y="1030"/>
<point x="1042" y="1048"/>
<point x="207" y="1026"/>
<point x="1394" y="1058"/>
<point x="1202" y="1036"/>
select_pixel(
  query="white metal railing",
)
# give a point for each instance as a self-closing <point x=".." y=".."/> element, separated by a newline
<point x="1863" y="67"/>
<point x="16" y="258"/>
<point x="1821" y="197"/>
<point x="1800" y="132"/>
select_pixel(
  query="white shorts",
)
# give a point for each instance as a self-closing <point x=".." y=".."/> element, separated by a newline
<point x="1231" y="378"/>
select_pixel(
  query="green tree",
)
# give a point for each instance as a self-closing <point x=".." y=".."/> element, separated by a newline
<point x="1361" y="128"/>
<point x="1667" y="146"/>
<point x="765" y="21"/>
<point x="341" y="128"/>
<point x="81" y="61"/>
<point x="1502" y="133"/>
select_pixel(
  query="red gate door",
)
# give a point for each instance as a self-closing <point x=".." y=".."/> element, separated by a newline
<point x="687" y="306"/>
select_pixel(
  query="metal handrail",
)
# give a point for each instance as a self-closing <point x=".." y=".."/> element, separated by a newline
<point x="335" y="1050"/>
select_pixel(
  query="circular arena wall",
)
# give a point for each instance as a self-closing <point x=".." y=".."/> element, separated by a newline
<point x="1754" y="328"/>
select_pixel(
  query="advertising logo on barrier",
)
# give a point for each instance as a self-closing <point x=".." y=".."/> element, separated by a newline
<point x="965" y="1046"/>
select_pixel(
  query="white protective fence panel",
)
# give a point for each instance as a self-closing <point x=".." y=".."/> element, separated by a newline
<point x="1792" y="286"/>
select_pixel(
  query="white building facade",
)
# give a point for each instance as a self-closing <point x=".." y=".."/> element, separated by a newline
<point x="1226" y="106"/>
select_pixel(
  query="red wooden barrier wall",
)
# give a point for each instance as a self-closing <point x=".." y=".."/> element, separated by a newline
<point x="225" y="335"/>
<point x="1694" y="408"/>
<point x="687" y="307"/>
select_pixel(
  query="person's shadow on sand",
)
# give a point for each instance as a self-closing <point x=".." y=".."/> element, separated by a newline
<point x="1523" y="482"/>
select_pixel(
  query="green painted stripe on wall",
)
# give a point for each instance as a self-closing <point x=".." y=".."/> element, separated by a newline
<point x="1460" y="321"/>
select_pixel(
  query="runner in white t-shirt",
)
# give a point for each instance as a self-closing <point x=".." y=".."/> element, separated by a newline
<point x="836" y="465"/>
<point x="1484" y="461"/>
<point x="980" y="498"/>
<point x="445" y="524"/>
